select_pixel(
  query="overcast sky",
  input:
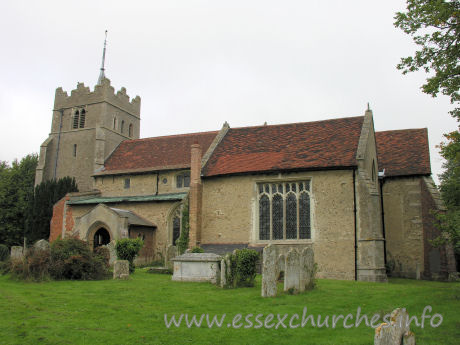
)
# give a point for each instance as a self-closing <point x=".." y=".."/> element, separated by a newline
<point x="196" y="64"/>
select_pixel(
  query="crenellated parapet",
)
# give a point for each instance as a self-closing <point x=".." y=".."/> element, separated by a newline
<point x="104" y="92"/>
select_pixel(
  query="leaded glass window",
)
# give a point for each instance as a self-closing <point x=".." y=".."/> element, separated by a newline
<point x="277" y="217"/>
<point x="264" y="218"/>
<point x="284" y="210"/>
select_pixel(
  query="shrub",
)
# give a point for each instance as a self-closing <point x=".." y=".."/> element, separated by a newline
<point x="127" y="249"/>
<point x="72" y="259"/>
<point x="103" y="253"/>
<point x="4" y="252"/>
<point x="197" y="250"/>
<point x="34" y="266"/>
<point x="241" y="268"/>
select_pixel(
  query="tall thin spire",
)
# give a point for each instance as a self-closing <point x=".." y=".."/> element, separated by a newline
<point x="102" y="74"/>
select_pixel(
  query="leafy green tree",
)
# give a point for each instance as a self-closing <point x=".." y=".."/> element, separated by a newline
<point x="434" y="26"/>
<point x="16" y="191"/>
<point x="449" y="222"/>
<point x="40" y="208"/>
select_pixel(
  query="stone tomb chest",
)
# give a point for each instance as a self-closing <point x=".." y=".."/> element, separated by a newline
<point x="197" y="267"/>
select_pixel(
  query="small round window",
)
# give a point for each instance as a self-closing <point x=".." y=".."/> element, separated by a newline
<point x="165" y="180"/>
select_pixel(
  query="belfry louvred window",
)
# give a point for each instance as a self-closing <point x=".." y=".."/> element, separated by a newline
<point x="284" y="210"/>
<point x="76" y="118"/>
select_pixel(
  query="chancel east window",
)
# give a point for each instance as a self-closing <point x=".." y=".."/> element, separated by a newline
<point x="284" y="210"/>
<point x="183" y="180"/>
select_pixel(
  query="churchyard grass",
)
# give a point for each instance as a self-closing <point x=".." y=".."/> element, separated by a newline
<point x="132" y="312"/>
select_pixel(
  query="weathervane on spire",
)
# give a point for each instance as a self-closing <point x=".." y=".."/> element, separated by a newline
<point x="102" y="74"/>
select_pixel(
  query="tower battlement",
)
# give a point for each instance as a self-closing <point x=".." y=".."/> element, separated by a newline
<point x="104" y="92"/>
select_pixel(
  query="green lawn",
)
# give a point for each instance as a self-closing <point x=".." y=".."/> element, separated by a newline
<point x="132" y="312"/>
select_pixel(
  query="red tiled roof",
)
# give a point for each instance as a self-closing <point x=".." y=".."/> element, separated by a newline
<point x="403" y="152"/>
<point x="308" y="145"/>
<point x="159" y="153"/>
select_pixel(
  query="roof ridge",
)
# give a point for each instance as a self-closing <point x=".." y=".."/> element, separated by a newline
<point x="170" y="136"/>
<point x="403" y="130"/>
<point x="299" y="123"/>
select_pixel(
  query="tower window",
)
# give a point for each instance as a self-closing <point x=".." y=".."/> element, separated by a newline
<point x="82" y="118"/>
<point x="130" y="130"/>
<point x="122" y="127"/>
<point x="127" y="183"/>
<point x="114" y="123"/>
<point x="75" y="150"/>
<point x="76" y="117"/>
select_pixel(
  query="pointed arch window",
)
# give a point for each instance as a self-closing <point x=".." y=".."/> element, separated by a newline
<point x="284" y="211"/>
<point x="76" y="118"/>
<point x="114" y="123"/>
<point x="130" y="130"/>
<point x="122" y="127"/>
<point x="82" y="118"/>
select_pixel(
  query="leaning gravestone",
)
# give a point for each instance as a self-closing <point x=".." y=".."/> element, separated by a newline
<point x="307" y="269"/>
<point x="269" y="271"/>
<point x="396" y="332"/>
<point x="121" y="269"/>
<point x="42" y="245"/>
<point x="292" y="271"/>
<point x="16" y="253"/>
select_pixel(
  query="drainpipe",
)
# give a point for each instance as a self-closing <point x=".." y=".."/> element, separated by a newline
<point x="381" y="182"/>
<point x="355" y="225"/>
<point x="158" y="182"/>
<point x="58" y="143"/>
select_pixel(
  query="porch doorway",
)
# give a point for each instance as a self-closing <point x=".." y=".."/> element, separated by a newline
<point x="101" y="238"/>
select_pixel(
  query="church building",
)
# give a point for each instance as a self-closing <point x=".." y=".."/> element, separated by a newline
<point x="362" y="199"/>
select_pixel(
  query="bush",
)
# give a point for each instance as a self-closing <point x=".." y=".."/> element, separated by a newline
<point x="197" y="250"/>
<point x="4" y="253"/>
<point x="127" y="249"/>
<point x="72" y="259"/>
<point x="103" y="253"/>
<point x="34" y="266"/>
<point x="241" y="268"/>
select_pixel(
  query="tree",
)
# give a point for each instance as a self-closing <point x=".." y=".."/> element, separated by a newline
<point x="40" y="208"/>
<point x="16" y="191"/>
<point x="434" y="26"/>
<point x="449" y="222"/>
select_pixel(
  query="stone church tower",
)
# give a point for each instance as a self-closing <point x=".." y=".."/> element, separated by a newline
<point x="86" y="127"/>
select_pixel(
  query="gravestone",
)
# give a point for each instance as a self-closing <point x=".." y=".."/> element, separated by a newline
<point x="112" y="252"/>
<point x="292" y="271"/>
<point x="269" y="271"/>
<point x="42" y="245"/>
<point x="121" y="269"/>
<point x="307" y="269"/>
<point x="223" y="273"/>
<point x="17" y="253"/>
<point x="393" y="333"/>
<point x="171" y="253"/>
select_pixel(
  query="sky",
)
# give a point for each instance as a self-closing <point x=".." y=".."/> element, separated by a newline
<point x="196" y="64"/>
